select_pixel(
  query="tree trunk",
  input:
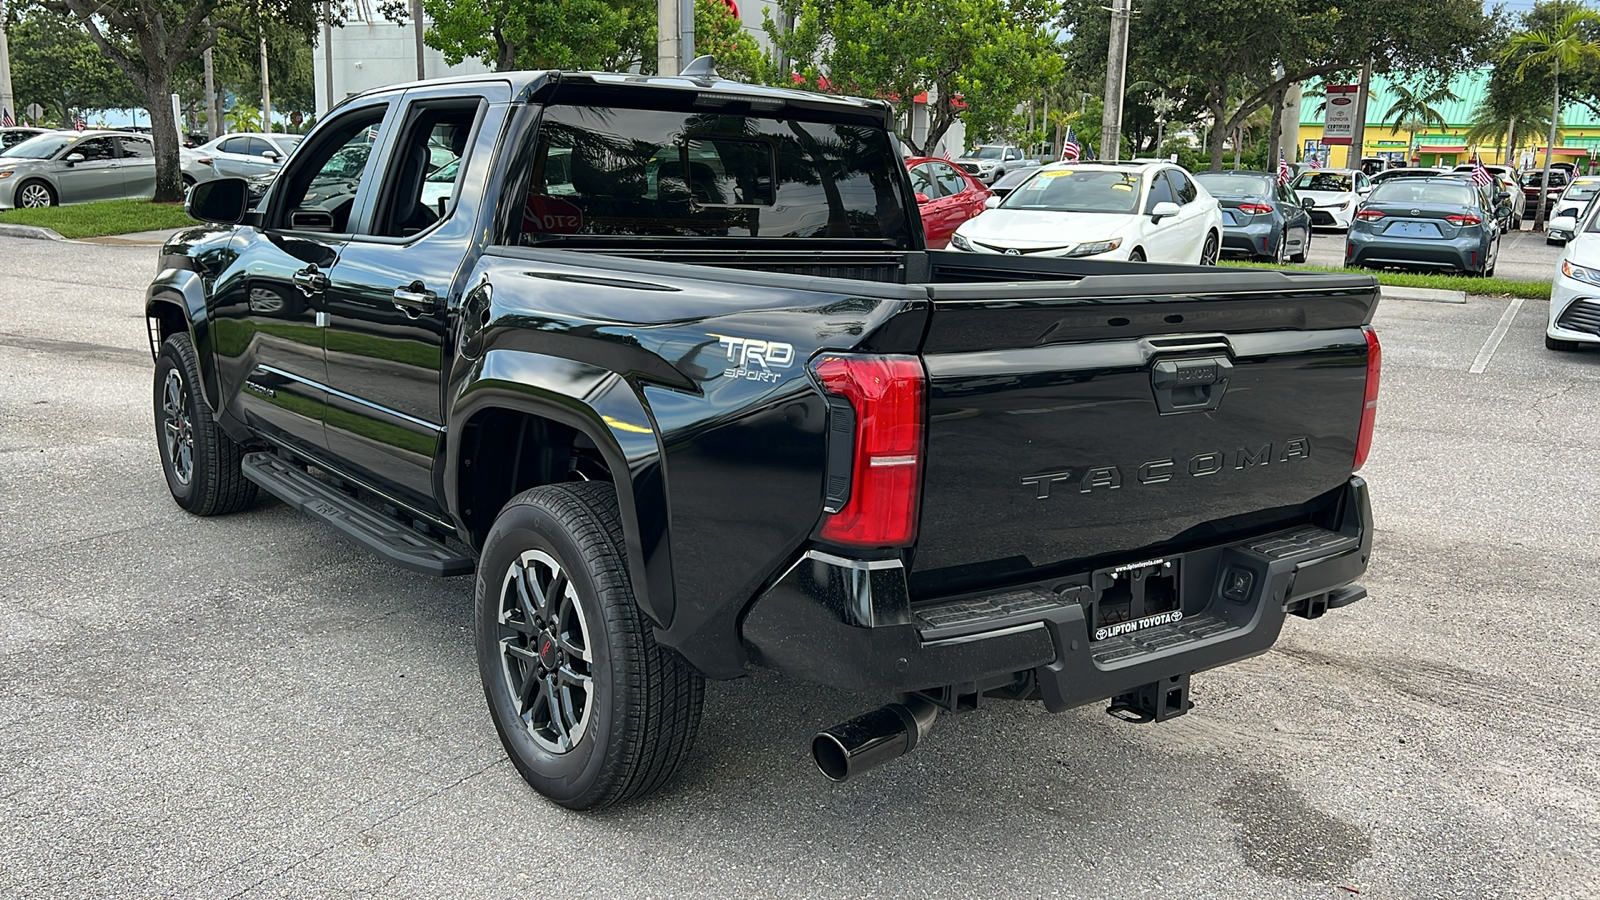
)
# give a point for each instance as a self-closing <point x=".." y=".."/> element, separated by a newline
<point x="1511" y="145"/>
<point x="1219" y="136"/>
<point x="164" y="131"/>
<point x="1276" y="131"/>
<point x="1549" y="150"/>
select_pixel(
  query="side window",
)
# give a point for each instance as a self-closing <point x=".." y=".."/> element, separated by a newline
<point x="1160" y="192"/>
<point x="136" y="148"/>
<point x="94" y="149"/>
<point x="1182" y="187"/>
<point x="923" y="182"/>
<point x="318" y="192"/>
<point x="258" y="147"/>
<point x="420" y="186"/>
<point x="1013" y="154"/>
<point x="234" y="145"/>
<point x="950" y="180"/>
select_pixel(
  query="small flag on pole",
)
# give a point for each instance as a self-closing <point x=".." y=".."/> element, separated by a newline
<point x="5" y="119"/>
<point x="1070" y="151"/>
<point x="1284" y="172"/>
<point x="1481" y="176"/>
<point x="1315" y="161"/>
<point x="79" y="124"/>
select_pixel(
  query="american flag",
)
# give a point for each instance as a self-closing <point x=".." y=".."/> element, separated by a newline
<point x="79" y="124"/>
<point x="5" y="119"/>
<point x="1481" y="176"/>
<point x="1314" y="162"/>
<point x="1284" y="173"/>
<point x="1070" y="151"/>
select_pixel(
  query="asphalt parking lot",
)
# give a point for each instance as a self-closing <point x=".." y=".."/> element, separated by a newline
<point x="247" y="706"/>
<point x="1524" y="255"/>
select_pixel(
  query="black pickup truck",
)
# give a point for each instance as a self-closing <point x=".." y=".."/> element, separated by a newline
<point x="665" y="362"/>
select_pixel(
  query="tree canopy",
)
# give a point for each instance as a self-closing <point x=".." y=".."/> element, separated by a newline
<point x="55" y="64"/>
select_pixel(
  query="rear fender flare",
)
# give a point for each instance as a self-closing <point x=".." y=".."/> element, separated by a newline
<point x="607" y="409"/>
<point x="184" y="289"/>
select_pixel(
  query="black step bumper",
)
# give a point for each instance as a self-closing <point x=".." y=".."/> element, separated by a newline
<point x="849" y="623"/>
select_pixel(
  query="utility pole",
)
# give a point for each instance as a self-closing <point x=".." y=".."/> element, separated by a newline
<point x="1116" y="73"/>
<point x="213" y="126"/>
<point x="327" y="50"/>
<point x="1358" y="133"/>
<point x="266" y="82"/>
<point x="674" y="35"/>
<point x="416" y="21"/>
<point x="8" y="100"/>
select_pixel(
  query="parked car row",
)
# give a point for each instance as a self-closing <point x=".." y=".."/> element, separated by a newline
<point x="1574" y="318"/>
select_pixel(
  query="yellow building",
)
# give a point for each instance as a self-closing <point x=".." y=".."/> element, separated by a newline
<point x="1435" y="146"/>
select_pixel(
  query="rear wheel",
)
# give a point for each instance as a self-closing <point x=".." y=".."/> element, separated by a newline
<point x="35" y="195"/>
<point x="1283" y="248"/>
<point x="1556" y="344"/>
<point x="1208" y="253"/>
<point x="591" y="710"/>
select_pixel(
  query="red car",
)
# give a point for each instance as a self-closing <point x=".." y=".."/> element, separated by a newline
<point x="946" y="197"/>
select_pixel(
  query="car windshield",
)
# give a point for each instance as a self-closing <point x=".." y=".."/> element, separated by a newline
<point x="1235" y="184"/>
<point x="1583" y="190"/>
<point x="988" y="152"/>
<point x="42" y="147"/>
<point x="1078" y="190"/>
<point x="1419" y="192"/>
<point x="1395" y="174"/>
<point x="1333" y="182"/>
<point x="1534" y="179"/>
<point x="446" y="174"/>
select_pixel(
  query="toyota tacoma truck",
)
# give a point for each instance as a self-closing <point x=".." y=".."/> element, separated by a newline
<point x="664" y="363"/>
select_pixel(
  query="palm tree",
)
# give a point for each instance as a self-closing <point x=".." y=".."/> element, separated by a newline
<point x="1567" y="44"/>
<point x="1414" y="110"/>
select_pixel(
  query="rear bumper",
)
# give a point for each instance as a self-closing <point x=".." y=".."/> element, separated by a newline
<point x="1465" y="254"/>
<point x="849" y="624"/>
<point x="1255" y="239"/>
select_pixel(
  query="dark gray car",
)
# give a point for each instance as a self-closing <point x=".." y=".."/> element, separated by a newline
<point x="1261" y="218"/>
<point x="1426" y="223"/>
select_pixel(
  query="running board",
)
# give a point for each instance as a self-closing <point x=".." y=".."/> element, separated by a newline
<point x="384" y="535"/>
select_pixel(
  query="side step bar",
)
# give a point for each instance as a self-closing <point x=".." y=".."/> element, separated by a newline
<point x="384" y="535"/>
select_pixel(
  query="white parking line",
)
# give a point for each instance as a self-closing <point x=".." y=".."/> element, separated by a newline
<point x="1495" y="337"/>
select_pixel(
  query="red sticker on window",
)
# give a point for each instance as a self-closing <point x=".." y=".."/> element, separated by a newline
<point x="551" y="215"/>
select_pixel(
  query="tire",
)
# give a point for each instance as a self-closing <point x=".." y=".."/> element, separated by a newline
<point x="1136" y="256"/>
<point x="1305" y="248"/>
<point x="1560" y="346"/>
<point x="1283" y="249"/>
<point x="200" y="461"/>
<point x="34" y="195"/>
<point x="188" y="181"/>
<point x="1208" y="252"/>
<point x="628" y="708"/>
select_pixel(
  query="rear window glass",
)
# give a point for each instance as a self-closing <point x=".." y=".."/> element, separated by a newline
<point x="1457" y="194"/>
<point x="608" y="172"/>
<point x="1223" y="184"/>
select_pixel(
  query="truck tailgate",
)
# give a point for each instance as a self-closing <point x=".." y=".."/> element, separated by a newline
<point x="1120" y="416"/>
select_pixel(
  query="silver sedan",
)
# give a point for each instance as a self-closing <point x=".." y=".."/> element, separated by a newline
<point x="76" y="167"/>
<point x="237" y="156"/>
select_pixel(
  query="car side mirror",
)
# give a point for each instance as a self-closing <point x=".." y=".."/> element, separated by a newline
<point x="1364" y="191"/>
<point x="1502" y="196"/>
<point x="991" y="203"/>
<point x="221" y="201"/>
<point x="73" y="159"/>
<point x="271" y="155"/>
<point x="1166" y="209"/>
<point x="1307" y="203"/>
<point x="923" y="198"/>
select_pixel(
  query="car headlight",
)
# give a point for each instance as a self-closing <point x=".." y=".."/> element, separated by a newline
<point x="960" y="243"/>
<point x="1090" y="249"/>
<point x="1344" y="205"/>
<point x="1580" y="273"/>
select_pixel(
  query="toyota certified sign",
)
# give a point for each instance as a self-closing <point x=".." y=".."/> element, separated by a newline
<point x="1339" y="124"/>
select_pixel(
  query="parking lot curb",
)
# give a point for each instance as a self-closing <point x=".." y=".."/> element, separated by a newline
<point x="29" y="231"/>
<point x="1429" y="294"/>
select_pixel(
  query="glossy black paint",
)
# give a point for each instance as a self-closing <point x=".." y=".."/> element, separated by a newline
<point x="626" y="351"/>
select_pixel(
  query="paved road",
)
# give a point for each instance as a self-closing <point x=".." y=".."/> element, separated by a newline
<point x="247" y="706"/>
<point x="1524" y="255"/>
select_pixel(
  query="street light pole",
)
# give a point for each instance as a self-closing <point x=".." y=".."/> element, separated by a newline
<point x="8" y="100"/>
<point x="1116" y="73"/>
<point x="416" y="21"/>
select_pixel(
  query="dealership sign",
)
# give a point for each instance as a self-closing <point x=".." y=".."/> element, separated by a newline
<point x="1339" y="119"/>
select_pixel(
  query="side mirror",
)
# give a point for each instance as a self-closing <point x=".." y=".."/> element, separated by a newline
<point x="923" y="198"/>
<point x="271" y="155"/>
<point x="1164" y="210"/>
<point x="73" y="159"/>
<point x="1364" y="191"/>
<point x="1502" y="196"/>
<point x="221" y="201"/>
<point x="991" y="203"/>
<point x="1307" y="203"/>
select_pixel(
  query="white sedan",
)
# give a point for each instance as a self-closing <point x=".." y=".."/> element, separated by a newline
<point x="1336" y="193"/>
<point x="1149" y="211"/>
<point x="1575" y="290"/>
<point x="237" y="156"/>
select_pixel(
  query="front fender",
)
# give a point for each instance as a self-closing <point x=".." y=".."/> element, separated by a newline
<point x="605" y="407"/>
<point x="186" y="290"/>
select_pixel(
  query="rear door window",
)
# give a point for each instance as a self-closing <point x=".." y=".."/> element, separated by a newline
<point x="951" y="181"/>
<point x="665" y="173"/>
<point x="136" y="148"/>
<point x="1160" y="192"/>
<point x="923" y="182"/>
<point x="1182" y="187"/>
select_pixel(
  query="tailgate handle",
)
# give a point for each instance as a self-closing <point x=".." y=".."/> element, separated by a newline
<point x="1190" y="385"/>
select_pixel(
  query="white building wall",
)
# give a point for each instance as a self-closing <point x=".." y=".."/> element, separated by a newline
<point x="369" y="55"/>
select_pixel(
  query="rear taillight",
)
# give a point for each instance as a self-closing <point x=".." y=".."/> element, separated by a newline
<point x="1369" y="215"/>
<point x="1463" y="220"/>
<point x="1254" y="209"/>
<point x="888" y="395"/>
<point x="1369" y="408"/>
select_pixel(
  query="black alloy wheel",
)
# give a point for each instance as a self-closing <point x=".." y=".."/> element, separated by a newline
<point x="201" y="463"/>
<point x="590" y="709"/>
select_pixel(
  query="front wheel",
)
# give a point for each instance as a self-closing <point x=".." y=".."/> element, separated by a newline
<point x="201" y="462"/>
<point x="1208" y="253"/>
<point x="1136" y="256"/>
<point x="35" y="195"/>
<point x="590" y="709"/>
<point x="1305" y="248"/>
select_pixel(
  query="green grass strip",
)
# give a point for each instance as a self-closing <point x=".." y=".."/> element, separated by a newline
<point x="1483" y="287"/>
<point x="102" y="218"/>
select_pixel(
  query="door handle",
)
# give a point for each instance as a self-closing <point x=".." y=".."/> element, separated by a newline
<point x="414" y="299"/>
<point x="1190" y="385"/>
<point x="310" y="280"/>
